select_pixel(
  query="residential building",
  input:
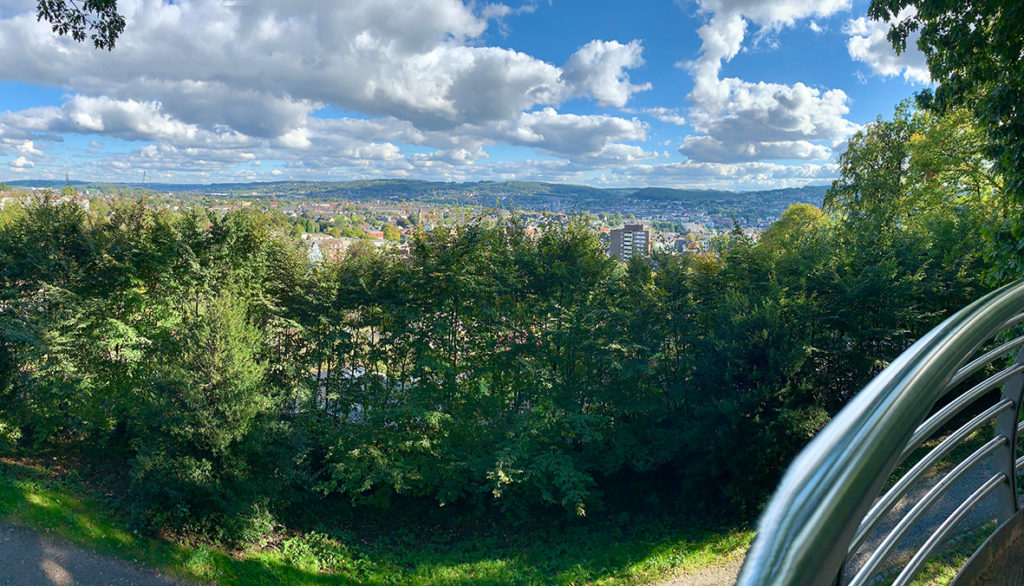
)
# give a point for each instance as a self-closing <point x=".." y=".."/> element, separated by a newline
<point x="629" y="241"/>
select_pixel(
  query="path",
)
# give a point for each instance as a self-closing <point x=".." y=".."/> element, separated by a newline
<point x="29" y="559"/>
<point x="713" y="576"/>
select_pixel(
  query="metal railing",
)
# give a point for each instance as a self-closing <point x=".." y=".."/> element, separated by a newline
<point x="846" y="510"/>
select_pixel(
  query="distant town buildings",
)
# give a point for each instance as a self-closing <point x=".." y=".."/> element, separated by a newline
<point x="629" y="241"/>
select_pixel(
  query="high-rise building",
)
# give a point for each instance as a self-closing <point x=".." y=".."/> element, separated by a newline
<point x="629" y="241"/>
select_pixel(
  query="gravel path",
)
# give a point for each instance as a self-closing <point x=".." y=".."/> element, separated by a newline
<point x="984" y="513"/>
<point x="714" y="576"/>
<point x="29" y="559"/>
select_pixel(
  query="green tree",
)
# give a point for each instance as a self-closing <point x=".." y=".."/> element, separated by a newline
<point x="871" y="185"/>
<point x="798" y="221"/>
<point x="391" y="232"/>
<point x="198" y="408"/>
<point x="975" y="53"/>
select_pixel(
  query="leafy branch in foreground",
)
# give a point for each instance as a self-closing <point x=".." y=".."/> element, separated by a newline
<point x="96" y="19"/>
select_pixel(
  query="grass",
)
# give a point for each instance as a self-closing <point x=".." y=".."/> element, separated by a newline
<point x="54" y="501"/>
<point x="943" y="567"/>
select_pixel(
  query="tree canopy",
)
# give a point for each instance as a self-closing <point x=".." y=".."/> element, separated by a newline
<point x="975" y="53"/>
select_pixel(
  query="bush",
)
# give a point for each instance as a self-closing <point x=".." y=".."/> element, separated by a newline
<point x="315" y="552"/>
<point x="251" y="526"/>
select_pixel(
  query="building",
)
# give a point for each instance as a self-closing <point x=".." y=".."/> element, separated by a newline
<point x="323" y="247"/>
<point x="629" y="241"/>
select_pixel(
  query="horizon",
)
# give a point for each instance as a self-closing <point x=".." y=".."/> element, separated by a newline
<point x="74" y="182"/>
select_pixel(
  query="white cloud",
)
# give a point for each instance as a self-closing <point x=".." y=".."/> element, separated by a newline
<point x="27" y="147"/>
<point x="598" y="69"/>
<point x="498" y="12"/>
<point x="249" y="77"/>
<point x="577" y="136"/>
<point x="422" y="95"/>
<point x="260" y="69"/>
<point x="709" y="175"/>
<point x="868" y="44"/>
<point x="706" y="148"/>
<point x="667" y="115"/>
<point x="21" y="164"/>
<point x="738" y="120"/>
<point x="777" y="13"/>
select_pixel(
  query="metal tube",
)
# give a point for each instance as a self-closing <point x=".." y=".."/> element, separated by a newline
<point x="979" y="362"/>
<point x="867" y="571"/>
<point x="1006" y="424"/>
<point x="942" y="531"/>
<point x="943" y="415"/>
<point x="880" y="508"/>
<point x="807" y="526"/>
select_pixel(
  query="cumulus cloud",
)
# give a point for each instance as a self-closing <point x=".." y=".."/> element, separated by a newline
<point x="598" y="69"/>
<point x="21" y="164"/>
<point x="709" y="149"/>
<point x="868" y="44"/>
<point x="261" y="67"/>
<point x="576" y="136"/>
<point x="135" y="120"/>
<point x="771" y="121"/>
<point x="27" y="147"/>
<point x="711" y="175"/>
<point x="738" y="120"/>
<point x="776" y="14"/>
<point x="251" y="77"/>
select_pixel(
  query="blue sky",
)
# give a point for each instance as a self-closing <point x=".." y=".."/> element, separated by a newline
<point x="735" y="94"/>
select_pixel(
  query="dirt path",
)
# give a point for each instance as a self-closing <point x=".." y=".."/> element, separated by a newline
<point x="713" y="576"/>
<point x="29" y="559"/>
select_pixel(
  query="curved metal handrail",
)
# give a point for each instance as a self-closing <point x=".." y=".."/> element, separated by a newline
<point x="819" y="510"/>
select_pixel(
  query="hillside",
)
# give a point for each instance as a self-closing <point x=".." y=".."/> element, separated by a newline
<point x="509" y="194"/>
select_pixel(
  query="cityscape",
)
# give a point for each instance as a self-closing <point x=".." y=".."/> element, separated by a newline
<point x="329" y="218"/>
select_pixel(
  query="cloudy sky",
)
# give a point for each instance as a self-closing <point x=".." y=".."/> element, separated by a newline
<point x="742" y="94"/>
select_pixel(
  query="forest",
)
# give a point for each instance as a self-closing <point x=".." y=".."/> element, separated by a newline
<point x="228" y="385"/>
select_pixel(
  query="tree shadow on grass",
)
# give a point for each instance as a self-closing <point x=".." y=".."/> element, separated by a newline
<point x="465" y="549"/>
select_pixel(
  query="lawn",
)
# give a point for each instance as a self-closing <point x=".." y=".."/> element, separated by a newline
<point x="55" y="501"/>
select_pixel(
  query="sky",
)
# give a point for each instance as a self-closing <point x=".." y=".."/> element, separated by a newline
<point x="722" y="94"/>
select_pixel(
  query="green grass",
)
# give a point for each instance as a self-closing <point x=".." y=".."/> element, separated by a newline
<point x="944" y="566"/>
<point x="619" y="551"/>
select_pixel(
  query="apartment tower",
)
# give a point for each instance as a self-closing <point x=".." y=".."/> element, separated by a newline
<point x="629" y="241"/>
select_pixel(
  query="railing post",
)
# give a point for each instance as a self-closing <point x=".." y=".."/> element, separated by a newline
<point x="1006" y="457"/>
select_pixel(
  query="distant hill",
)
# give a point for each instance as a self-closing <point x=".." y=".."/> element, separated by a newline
<point x="478" y="192"/>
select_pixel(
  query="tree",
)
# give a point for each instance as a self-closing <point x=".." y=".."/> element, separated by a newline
<point x="97" y="19"/>
<point x="873" y="170"/>
<point x="795" y="223"/>
<point x="392" y="233"/>
<point x="975" y="51"/>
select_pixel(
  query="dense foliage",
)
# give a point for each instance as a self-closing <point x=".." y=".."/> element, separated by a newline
<point x="238" y="383"/>
<point x="975" y="55"/>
